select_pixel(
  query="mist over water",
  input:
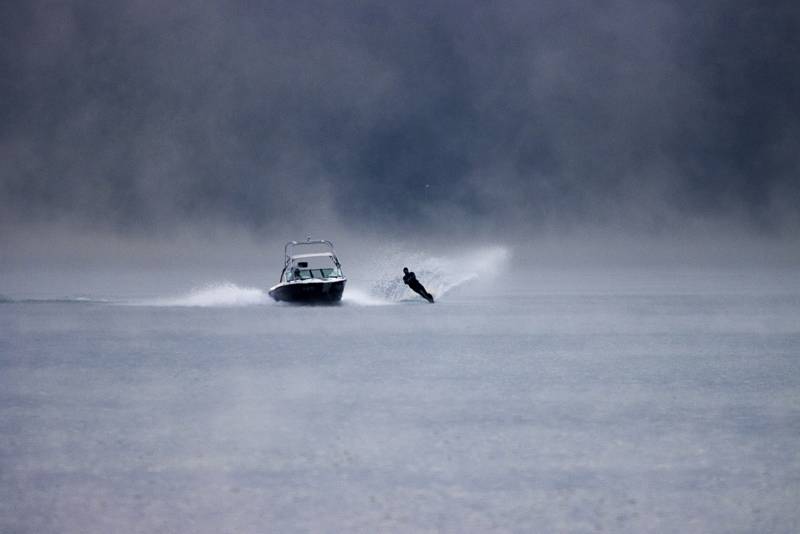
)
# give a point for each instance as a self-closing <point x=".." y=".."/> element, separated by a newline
<point x="491" y="118"/>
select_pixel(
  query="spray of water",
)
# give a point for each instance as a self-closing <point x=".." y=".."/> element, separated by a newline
<point x="379" y="280"/>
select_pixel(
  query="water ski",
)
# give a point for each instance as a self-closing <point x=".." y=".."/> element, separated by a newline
<point x="424" y="294"/>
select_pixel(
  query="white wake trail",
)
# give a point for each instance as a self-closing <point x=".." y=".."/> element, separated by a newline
<point x="225" y="294"/>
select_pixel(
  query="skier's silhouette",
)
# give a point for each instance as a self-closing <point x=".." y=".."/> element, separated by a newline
<point x="410" y="279"/>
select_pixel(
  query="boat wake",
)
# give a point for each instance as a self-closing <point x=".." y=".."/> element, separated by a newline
<point x="55" y="300"/>
<point x="360" y="297"/>
<point x="225" y="294"/>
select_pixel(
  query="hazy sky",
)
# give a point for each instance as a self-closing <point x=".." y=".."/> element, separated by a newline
<point x="139" y="116"/>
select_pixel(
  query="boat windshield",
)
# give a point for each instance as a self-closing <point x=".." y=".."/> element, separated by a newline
<point x="308" y="274"/>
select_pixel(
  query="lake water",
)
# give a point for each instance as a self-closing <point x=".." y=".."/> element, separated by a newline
<point x="225" y="412"/>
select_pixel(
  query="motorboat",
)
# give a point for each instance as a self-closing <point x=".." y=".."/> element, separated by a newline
<point x="314" y="277"/>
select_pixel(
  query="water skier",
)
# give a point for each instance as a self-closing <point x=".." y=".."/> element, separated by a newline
<point x="410" y="279"/>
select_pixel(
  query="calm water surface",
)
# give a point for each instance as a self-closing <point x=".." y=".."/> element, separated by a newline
<point x="622" y="413"/>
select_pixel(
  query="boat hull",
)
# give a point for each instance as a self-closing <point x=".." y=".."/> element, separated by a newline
<point x="309" y="291"/>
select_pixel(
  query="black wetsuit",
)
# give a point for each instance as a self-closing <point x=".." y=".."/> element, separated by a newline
<point x="411" y="281"/>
